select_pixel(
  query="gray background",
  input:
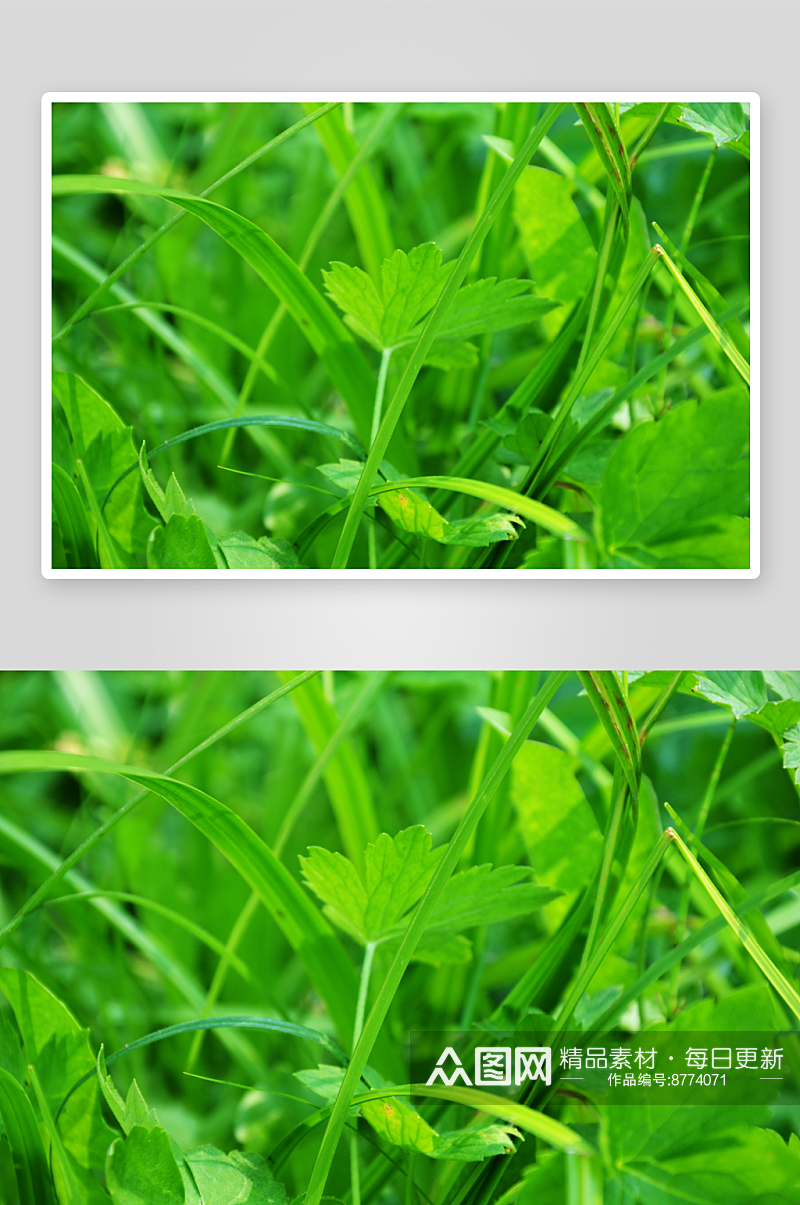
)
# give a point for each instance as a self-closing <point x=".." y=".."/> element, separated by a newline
<point x="375" y="45"/>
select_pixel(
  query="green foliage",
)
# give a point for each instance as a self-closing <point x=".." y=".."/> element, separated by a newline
<point x="397" y="872"/>
<point x="326" y="241"/>
<point x="573" y="898"/>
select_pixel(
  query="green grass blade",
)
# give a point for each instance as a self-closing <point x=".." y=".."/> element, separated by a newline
<point x="345" y="779"/>
<point x="303" y="925"/>
<point x="414" y="932"/>
<point x="604" y="135"/>
<point x="363" y="199"/>
<point x="110" y="557"/>
<point x="34" y="1184"/>
<point x="70" y="515"/>
<point x="437" y="316"/>
<point x="659" y="968"/>
<point x="778" y="980"/>
<point x="612" y="710"/>
<point x="164" y="331"/>
<point x="329" y="337"/>
<point x="106" y="282"/>
<point x="725" y="342"/>
<point x="266" y="1024"/>
<point x="183" y="922"/>
<point x="545" y="516"/>
<point x="69" y="1192"/>
<point x="60" y="869"/>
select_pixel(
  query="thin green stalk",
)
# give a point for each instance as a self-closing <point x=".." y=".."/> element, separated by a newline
<point x="131" y="259"/>
<point x="114" y="819"/>
<point x="376" y="422"/>
<point x="725" y="342"/>
<point x="782" y="986"/>
<point x="609" y="850"/>
<point x="414" y="932"/>
<point x="361" y="1005"/>
<point x="688" y="230"/>
<point x="429" y="332"/>
<point x="641" y="959"/>
<point x="603" y="256"/>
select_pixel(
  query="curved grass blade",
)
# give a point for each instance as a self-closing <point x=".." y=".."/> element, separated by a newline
<point x="141" y="901"/>
<point x="612" y="710"/>
<point x="251" y="420"/>
<point x="435" y="320"/>
<point x="131" y="259"/>
<point x="69" y="1191"/>
<point x="214" y="327"/>
<point x="252" y="1023"/>
<point x="164" y="331"/>
<point x="329" y="337"/>
<point x="363" y="199"/>
<point x="302" y="924"/>
<point x="421" y="916"/>
<point x="60" y="869"/>
<point x="604" y="135"/>
<point x="34" y="1184"/>
<point x="725" y="342"/>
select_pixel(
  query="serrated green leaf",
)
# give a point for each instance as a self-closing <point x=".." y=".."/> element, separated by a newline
<point x="396" y="873"/>
<point x="742" y="691"/>
<point x="473" y="1145"/>
<point x="791" y="752"/>
<point x="410" y="287"/>
<point x="724" y="121"/>
<point x="182" y="544"/>
<point x="233" y="1179"/>
<point x="242" y="551"/>
<point x="492" y="305"/>
<point x="481" y="530"/>
<point x="142" y="1169"/>
<point x="685" y="469"/>
<point x="400" y="1125"/>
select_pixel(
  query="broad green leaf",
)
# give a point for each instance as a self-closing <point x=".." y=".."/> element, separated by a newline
<point x="481" y="530"/>
<point x="104" y="444"/>
<point x="473" y="1145"/>
<point x="785" y="683"/>
<point x="791" y="752"/>
<point x="142" y="1169"/>
<point x="59" y="1049"/>
<point x="742" y="691"/>
<point x="724" y="121"/>
<point x="244" y="552"/>
<point x="373" y="907"/>
<point x="397" y="871"/>
<point x="325" y="1080"/>
<point x="182" y="544"/>
<point x="326" y="334"/>
<point x="721" y="543"/>
<point x="344" y="776"/>
<point x="410" y="287"/>
<point x="73" y="524"/>
<point x="553" y="235"/>
<point x="683" y="470"/>
<point x="397" y="1123"/>
<point x="233" y="1179"/>
<point x="556" y="822"/>
<point x="414" y="514"/>
<point x="34" y="1185"/>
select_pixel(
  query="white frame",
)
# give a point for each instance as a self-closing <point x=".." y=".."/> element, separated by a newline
<point x="488" y="574"/>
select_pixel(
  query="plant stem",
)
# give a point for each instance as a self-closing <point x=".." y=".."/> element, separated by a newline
<point x="685" y="240"/>
<point x="437" y="316"/>
<point x="376" y="422"/>
<point x="414" y="932"/>
<point x="683" y="906"/>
